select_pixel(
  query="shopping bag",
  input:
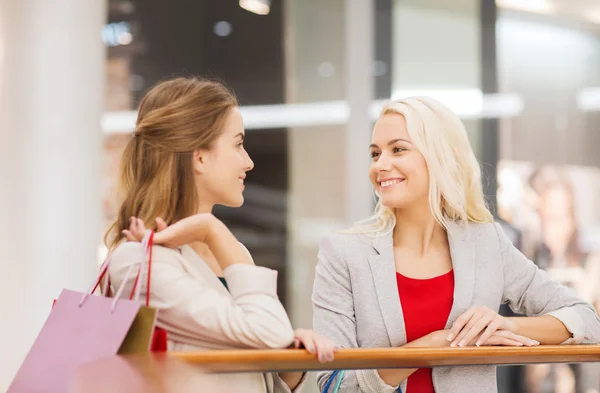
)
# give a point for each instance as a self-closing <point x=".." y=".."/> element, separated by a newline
<point x="340" y="377"/>
<point x="81" y="328"/>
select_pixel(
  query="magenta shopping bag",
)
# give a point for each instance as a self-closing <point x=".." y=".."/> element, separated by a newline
<point x="81" y="328"/>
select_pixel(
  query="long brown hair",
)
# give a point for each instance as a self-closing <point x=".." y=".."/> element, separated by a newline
<point x="156" y="179"/>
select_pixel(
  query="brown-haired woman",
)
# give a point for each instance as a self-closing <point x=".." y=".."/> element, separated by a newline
<point x="187" y="155"/>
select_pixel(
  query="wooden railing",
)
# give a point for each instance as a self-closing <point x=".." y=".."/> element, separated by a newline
<point x="149" y="373"/>
<point x="288" y="360"/>
<point x="185" y="372"/>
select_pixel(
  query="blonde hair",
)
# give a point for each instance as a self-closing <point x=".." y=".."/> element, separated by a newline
<point x="156" y="179"/>
<point x="455" y="189"/>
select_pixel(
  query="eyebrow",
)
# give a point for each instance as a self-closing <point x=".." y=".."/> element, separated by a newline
<point x="390" y="143"/>
<point x="241" y="135"/>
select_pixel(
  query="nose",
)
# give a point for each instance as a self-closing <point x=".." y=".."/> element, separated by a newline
<point x="383" y="163"/>
<point x="249" y="164"/>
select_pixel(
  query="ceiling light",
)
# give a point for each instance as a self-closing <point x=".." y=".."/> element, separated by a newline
<point x="535" y="6"/>
<point x="260" y="7"/>
<point x="222" y="28"/>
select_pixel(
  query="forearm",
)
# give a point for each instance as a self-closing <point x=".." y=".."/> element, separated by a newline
<point x="546" y="329"/>
<point x="291" y="379"/>
<point x="394" y="377"/>
<point x="225" y="247"/>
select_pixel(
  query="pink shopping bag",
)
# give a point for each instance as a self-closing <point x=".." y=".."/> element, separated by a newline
<point x="81" y="328"/>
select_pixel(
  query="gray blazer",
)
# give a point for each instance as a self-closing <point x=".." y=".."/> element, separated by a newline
<point x="356" y="301"/>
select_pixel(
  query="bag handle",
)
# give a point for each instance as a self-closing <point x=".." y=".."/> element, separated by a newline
<point x="147" y="243"/>
<point x="120" y="290"/>
<point x="103" y="273"/>
<point x="338" y="383"/>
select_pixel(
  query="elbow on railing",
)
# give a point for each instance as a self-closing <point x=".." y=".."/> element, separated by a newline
<point x="266" y="336"/>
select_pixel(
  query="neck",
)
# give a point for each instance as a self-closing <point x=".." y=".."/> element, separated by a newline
<point x="418" y="230"/>
<point x="205" y="208"/>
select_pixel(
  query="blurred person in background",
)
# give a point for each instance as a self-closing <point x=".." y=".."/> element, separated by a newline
<point x="431" y="268"/>
<point x="187" y="155"/>
<point x="558" y="250"/>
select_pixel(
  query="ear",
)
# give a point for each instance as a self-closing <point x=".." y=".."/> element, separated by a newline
<point x="199" y="158"/>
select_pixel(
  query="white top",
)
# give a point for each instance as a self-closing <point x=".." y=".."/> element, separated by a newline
<point x="199" y="313"/>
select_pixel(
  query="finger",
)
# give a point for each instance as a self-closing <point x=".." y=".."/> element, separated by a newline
<point x="499" y="340"/>
<point x="133" y="227"/>
<point x="128" y="235"/>
<point x="306" y="341"/>
<point x="477" y="315"/>
<point x="325" y="348"/>
<point x="460" y="323"/>
<point x="475" y="330"/>
<point x="132" y="224"/>
<point x="487" y="318"/>
<point x="489" y="331"/>
<point x="323" y="352"/>
<point x="515" y="337"/>
<point x="160" y="224"/>
<point x="141" y="226"/>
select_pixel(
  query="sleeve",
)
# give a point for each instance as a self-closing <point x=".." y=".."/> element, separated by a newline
<point x="252" y="317"/>
<point x="333" y="317"/>
<point x="276" y="385"/>
<point x="529" y="290"/>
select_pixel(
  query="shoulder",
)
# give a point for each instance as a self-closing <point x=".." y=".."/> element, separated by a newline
<point x="493" y="233"/>
<point x="129" y="253"/>
<point x="347" y="243"/>
<point x="480" y="232"/>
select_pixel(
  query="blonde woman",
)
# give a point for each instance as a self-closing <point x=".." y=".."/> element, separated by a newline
<point x="187" y="155"/>
<point x="431" y="268"/>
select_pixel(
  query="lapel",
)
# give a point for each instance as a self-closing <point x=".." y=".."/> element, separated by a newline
<point x="383" y="269"/>
<point x="195" y="266"/>
<point x="462" y="251"/>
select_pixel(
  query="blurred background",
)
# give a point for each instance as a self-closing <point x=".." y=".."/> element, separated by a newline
<point x="310" y="75"/>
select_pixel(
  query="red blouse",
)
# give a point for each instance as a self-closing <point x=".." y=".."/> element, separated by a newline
<point x="426" y="305"/>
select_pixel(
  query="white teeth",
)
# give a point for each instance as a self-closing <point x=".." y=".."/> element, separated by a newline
<point x="389" y="182"/>
<point x="241" y="181"/>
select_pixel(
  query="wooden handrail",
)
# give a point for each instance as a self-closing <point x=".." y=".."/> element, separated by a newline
<point x="144" y="373"/>
<point x="185" y="372"/>
<point x="290" y="360"/>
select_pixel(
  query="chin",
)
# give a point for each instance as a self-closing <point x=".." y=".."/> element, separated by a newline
<point x="394" y="203"/>
<point x="237" y="202"/>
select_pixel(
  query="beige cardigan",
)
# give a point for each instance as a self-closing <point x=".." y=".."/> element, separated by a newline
<point x="199" y="313"/>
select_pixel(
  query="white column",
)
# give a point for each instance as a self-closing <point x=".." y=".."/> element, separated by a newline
<point x="360" y="53"/>
<point x="52" y="84"/>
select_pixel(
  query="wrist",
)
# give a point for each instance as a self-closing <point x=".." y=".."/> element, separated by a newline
<point x="513" y="324"/>
<point x="437" y="339"/>
<point x="213" y="228"/>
